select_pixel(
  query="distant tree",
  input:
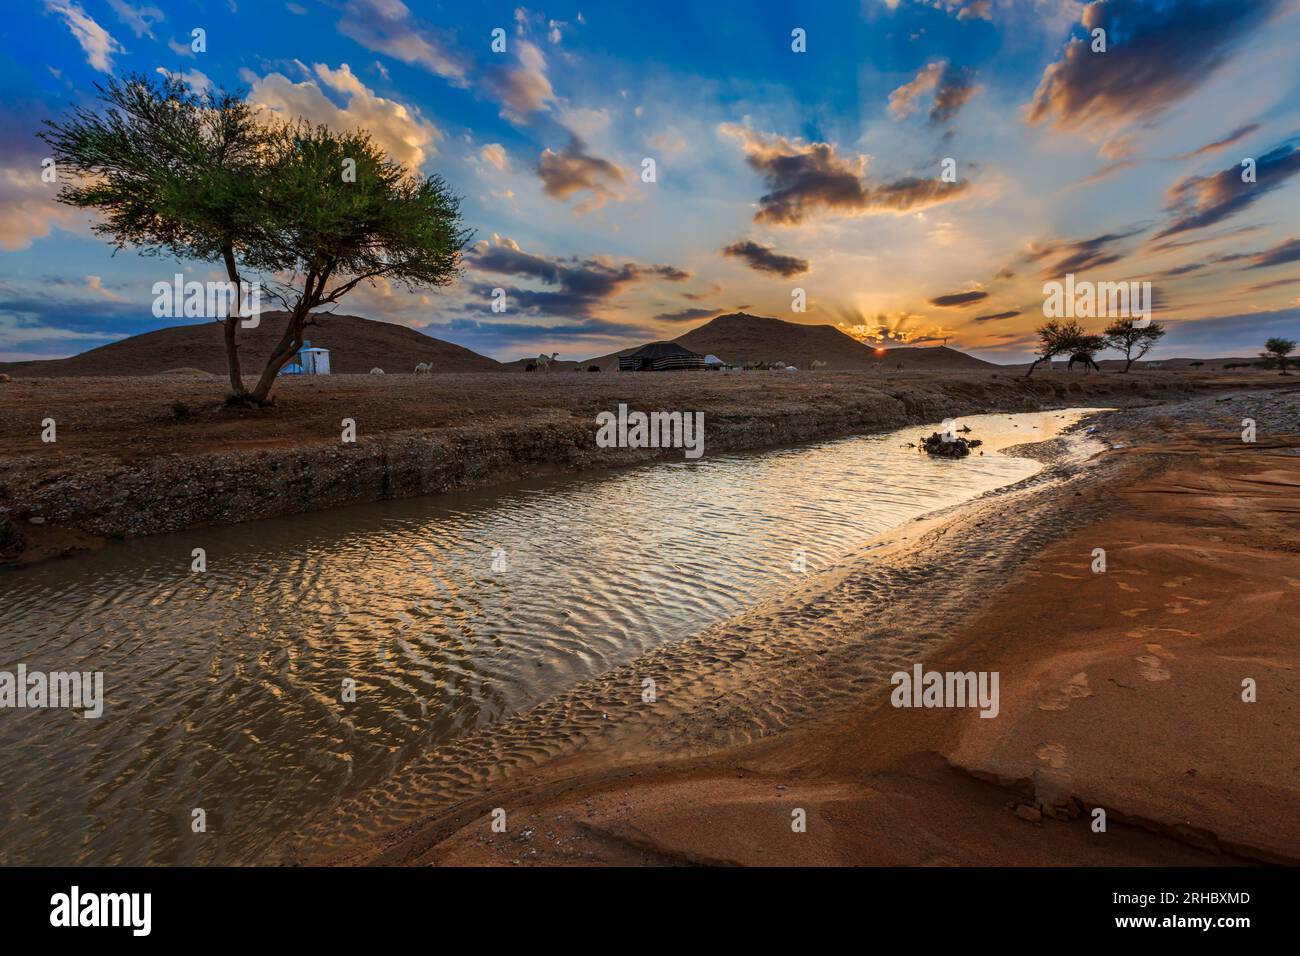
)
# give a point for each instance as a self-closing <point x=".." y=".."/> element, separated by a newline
<point x="1276" y="352"/>
<point x="310" y="212"/>
<point x="1057" y="337"/>
<point x="170" y="172"/>
<point x="1135" y="341"/>
<point x="1089" y="344"/>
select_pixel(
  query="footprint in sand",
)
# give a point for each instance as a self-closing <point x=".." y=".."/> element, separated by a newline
<point x="1176" y="582"/>
<point x="1073" y="689"/>
<point x="1143" y="631"/>
<point x="1199" y="602"/>
<point x="1151" y="668"/>
<point x="1135" y="611"/>
<point x="1051" y="754"/>
<point x="1126" y="587"/>
<point x="1177" y="608"/>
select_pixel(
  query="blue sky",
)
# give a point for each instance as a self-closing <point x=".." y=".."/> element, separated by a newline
<point x="775" y="169"/>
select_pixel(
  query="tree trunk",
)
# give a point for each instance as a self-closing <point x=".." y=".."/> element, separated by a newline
<point x="1032" y="367"/>
<point x="237" y="389"/>
<point x="232" y="358"/>
<point x="1128" y="364"/>
<point x="290" y="343"/>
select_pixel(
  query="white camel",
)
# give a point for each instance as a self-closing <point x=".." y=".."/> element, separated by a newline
<point x="424" y="368"/>
<point x="818" y="363"/>
<point x="544" y="363"/>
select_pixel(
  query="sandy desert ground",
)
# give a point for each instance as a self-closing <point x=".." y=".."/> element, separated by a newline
<point x="143" y="455"/>
<point x="1120" y="690"/>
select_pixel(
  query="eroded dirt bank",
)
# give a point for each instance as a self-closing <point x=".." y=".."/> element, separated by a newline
<point x="149" y="455"/>
<point x="1120" y="690"/>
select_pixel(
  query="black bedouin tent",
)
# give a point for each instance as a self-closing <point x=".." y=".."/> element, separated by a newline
<point x="660" y="357"/>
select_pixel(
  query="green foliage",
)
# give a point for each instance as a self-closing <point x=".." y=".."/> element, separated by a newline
<point x="309" y="211"/>
<point x="387" y="222"/>
<point x="168" y="171"/>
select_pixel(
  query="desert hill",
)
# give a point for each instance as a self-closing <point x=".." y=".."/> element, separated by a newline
<point x="739" y="338"/>
<point x="355" y="344"/>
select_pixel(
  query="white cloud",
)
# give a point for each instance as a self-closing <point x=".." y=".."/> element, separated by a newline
<point x="494" y="154"/>
<point x="139" y="19"/>
<point x="400" y="130"/>
<point x="28" y="210"/>
<point x="904" y="100"/>
<point x="386" y="26"/>
<point x="96" y="285"/>
<point x="196" y="79"/>
<point x="585" y="123"/>
<point x="96" y="42"/>
<point x="524" y="87"/>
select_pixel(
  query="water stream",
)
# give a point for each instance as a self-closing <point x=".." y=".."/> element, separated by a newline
<point x="224" y="690"/>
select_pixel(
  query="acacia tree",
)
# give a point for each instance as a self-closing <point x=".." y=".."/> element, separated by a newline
<point x="1056" y="337"/>
<point x="1276" y="351"/>
<point x="340" y="213"/>
<point x="310" y="212"/>
<point x="169" y="172"/>
<point x="1135" y="341"/>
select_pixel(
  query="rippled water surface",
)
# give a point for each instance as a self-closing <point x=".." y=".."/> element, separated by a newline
<point x="224" y="689"/>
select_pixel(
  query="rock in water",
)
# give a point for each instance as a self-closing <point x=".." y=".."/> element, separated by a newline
<point x="936" y="444"/>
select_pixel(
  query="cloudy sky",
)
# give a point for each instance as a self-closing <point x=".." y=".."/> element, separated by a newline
<point x="775" y="169"/>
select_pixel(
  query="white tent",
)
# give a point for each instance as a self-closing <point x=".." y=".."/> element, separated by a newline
<point x="314" y="361"/>
<point x="713" y="360"/>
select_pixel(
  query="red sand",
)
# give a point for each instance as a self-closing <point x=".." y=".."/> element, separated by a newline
<point x="1120" y="690"/>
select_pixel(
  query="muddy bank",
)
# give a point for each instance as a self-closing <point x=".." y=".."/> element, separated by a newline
<point x="1120" y="690"/>
<point x="129" y="460"/>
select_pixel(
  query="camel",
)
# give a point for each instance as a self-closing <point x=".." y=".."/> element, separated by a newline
<point x="1086" y="358"/>
<point x="817" y="363"/>
<point x="544" y="363"/>
<point x="530" y="367"/>
<point x="424" y="368"/>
